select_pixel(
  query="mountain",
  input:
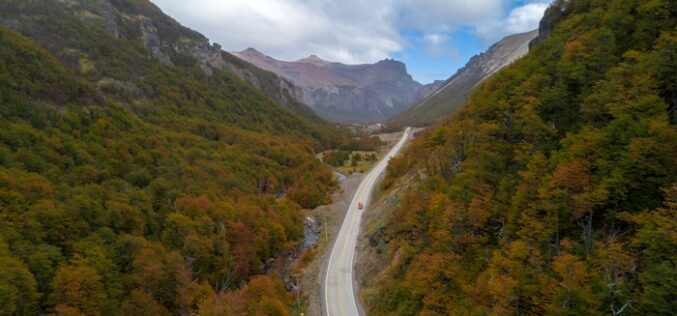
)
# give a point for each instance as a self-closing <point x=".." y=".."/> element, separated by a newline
<point x="138" y="174"/>
<point x="428" y="89"/>
<point x="280" y="89"/>
<point x="455" y="91"/>
<point x="553" y="190"/>
<point x="171" y="43"/>
<point x="345" y="93"/>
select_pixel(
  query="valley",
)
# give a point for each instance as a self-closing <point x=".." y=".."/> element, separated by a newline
<point x="152" y="168"/>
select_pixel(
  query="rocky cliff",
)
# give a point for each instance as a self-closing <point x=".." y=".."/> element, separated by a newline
<point x="453" y="93"/>
<point x="346" y="93"/>
<point x="141" y="21"/>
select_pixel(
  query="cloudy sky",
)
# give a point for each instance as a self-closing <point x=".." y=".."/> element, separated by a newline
<point x="433" y="37"/>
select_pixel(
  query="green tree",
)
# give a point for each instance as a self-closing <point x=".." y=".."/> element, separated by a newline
<point x="18" y="288"/>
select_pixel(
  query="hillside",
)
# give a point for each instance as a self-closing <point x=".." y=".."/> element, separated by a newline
<point x="143" y="22"/>
<point x="552" y="190"/>
<point x="137" y="177"/>
<point x="346" y="93"/>
<point x="454" y="92"/>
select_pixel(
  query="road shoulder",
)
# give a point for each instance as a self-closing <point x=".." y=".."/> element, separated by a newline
<point x="332" y="215"/>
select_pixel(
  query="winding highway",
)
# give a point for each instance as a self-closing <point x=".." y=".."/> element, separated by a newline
<point x="339" y="297"/>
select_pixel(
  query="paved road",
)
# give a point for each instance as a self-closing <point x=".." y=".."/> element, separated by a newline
<point x="339" y="298"/>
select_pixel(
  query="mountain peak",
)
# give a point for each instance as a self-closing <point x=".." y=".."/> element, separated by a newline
<point x="393" y="65"/>
<point x="313" y="59"/>
<point x="251" y="51"/>
<point x="363" y="93"/>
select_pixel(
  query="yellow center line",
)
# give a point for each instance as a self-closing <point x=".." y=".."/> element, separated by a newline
<point x="341" y="258"/>
<point x="350" y="227"/>
<point x="338" y="287"/>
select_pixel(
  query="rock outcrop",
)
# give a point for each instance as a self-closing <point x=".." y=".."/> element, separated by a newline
<point x="455" y="90"/>
<point x="346" y="93"/>
<point x="165" y="39"/>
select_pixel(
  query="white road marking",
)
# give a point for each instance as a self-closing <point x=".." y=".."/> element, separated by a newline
<point x="339" y="298"/>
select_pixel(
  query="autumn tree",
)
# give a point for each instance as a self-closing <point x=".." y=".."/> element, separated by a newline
<point x="78" y="288"/>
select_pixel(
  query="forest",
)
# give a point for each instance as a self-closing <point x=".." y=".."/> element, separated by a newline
<point x="129" y="186"/>
<point x="554" y="189"/>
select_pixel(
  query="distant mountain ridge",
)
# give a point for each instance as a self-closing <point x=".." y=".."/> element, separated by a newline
<point x="455" y="90"/>
<point x="345" y="93"/>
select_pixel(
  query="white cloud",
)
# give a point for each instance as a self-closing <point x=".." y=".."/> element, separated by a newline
<point x="436" y="45"/>
<point x="350" y="31"/>
<point x="525" y="18"/>
<point x="520" y="19"/>
<point x="444" y="15"/>
<point x="435" y="39"/>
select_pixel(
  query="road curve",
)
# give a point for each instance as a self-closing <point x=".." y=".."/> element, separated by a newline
<point x="339" y="298"/>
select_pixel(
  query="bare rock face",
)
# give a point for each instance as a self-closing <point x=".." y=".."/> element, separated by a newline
<point x="105" y="10"/>
<point x="165" y="40"/>
<point x="454" y="91"/>
<point x="345" y="93"/>
<point x="429" y="89"/>
<point x="551" y="17"/>
<point x="152" y="41"/>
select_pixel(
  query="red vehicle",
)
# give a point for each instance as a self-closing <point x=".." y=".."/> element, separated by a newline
<point x="360" y="205"/>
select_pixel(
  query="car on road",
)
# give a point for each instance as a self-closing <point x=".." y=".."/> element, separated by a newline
<point x="360" y="205"/>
